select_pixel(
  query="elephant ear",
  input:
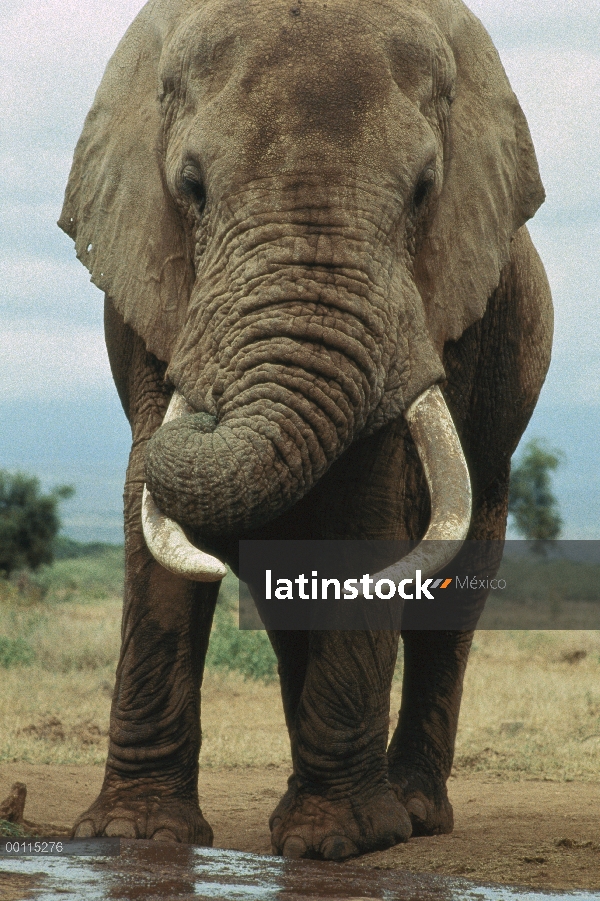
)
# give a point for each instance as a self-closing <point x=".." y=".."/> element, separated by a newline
<point x="492" y="183"/>
<point x="126" y="228"/>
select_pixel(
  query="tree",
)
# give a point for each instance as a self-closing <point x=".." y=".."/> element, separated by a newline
<point x="530" y="500"/>
<point x="29" y="521"/>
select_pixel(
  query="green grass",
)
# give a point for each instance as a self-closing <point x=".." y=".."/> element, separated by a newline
<point x="234" y="650"/>
<point x="248" y="653"/>
<point x="37" y="628"/>
<point x="11" y="830"/>
<point x="15" y="652"/>
<point x="94" y="574"/>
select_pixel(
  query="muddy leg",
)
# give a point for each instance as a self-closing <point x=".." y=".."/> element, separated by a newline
<point x="340" y="802"/>
<point x="421" y="751"/>
<point x="150" y="787"/>
<point x="291" y="650"/>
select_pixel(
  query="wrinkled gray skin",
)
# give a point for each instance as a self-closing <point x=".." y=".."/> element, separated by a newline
<point x="303" y="214"/>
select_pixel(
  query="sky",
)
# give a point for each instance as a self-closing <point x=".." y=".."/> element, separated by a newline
<point x="59" y="414"/>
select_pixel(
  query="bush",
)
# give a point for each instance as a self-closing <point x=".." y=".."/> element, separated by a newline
<point x="544" y="579"/>
<point x="67" y="549"/>
<point x="248" y="653"/>
<point x="530" y="500"/>
<point x="11" y="830"/>
<point x="245" y="652"/>
<point x="29" y="521"/>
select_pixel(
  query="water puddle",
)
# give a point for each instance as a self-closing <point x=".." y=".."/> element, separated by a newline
<point x="141" y="870"/>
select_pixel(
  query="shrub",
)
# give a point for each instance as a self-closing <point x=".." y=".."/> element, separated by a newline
<point x="531" y="501"/>
<point x="230" y="648"/>
<point x="29" y="521"/>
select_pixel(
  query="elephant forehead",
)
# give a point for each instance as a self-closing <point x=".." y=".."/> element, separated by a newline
<point x="331" y="64"/>
<point x="254" y="89"/>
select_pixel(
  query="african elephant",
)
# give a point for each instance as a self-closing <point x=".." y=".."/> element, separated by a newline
<point x="306" y="217"/>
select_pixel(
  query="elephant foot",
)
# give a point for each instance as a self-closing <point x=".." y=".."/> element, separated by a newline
<point x="426" y="801"/>
<point x="309" y="825"/>
<point x="123" y="815"/>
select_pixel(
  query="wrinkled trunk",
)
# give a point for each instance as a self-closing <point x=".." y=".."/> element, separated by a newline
<point x="298" y="391"/>
<point x="447" y="475"/>
<point x="300" y="336"/>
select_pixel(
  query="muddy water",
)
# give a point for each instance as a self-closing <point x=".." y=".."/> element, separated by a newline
<point x="139" y="870"/>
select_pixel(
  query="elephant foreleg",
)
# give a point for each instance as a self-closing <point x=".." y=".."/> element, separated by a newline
<point x="291" y="649"/>
<point x="421" y="751"/>
<point x="495" y="373"/>
<point x="150" y="787"/>
<point x="340" y="802"/>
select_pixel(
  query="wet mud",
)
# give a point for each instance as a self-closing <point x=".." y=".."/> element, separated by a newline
<point x="123" y="870"/>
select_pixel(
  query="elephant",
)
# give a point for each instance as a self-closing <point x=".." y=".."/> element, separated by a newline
<point x="308" y="221"/>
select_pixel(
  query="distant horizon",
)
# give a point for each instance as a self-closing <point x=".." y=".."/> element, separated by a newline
<point x="87" y="444"/>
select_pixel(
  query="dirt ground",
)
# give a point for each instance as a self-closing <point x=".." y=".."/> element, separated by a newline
<point x="534" y="833"/>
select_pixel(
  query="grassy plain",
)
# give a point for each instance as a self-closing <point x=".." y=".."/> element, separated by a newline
<point x="531" y="704"/>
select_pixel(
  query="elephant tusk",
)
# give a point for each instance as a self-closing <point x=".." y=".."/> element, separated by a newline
<point x="166" y="539"/>
<point x="445" y="467"/>
<point x="439" y="448"/>
<point x="170" y="547"/>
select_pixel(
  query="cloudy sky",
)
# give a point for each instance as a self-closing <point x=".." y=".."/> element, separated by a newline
<point x="60" y="417"/>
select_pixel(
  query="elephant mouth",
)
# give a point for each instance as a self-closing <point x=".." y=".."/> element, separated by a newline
<point x="441" y="455"/>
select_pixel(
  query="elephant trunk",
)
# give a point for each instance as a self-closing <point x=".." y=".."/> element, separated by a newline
<point x="285" y="358"/>
<point x="281" y="425"/>
<point x="447" y="476"/>
<point x="298" y="340"/>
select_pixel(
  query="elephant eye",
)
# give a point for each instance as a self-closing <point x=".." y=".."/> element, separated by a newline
<point x="192" y="187"/>
<point x="424" y="188"/>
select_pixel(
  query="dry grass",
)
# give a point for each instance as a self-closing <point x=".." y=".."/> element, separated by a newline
<point x="63" y="718"/>
<point x="531" y="705"/>
<point x="56" y="709"/>
<point x="242" y="722"/>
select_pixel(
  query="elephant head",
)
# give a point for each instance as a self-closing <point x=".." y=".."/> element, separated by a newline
<point x="296" y="204"/>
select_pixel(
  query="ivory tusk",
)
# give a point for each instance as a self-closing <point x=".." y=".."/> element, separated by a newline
<point x="445" y="468"/>
<point x="443" y="461"/>
<point x="166" y="539"/>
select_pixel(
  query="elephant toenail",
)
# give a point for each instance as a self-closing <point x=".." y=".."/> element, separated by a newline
<point x="294" y="847"/>
<point x="164" y="835"/>
<point x="122" y="828"/>
<point x="338" y="847"/>
<point x="417" y="808"/>
<point x="85" y="830"/>
<point x="275" y="823"/>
